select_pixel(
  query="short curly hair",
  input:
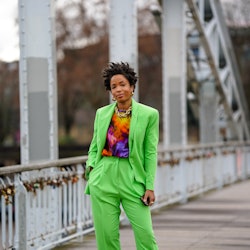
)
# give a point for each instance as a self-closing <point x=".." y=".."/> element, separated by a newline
<point x="122" y="68"/>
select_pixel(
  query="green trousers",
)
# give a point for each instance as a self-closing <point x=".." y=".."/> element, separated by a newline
<point x="111" y="184"/>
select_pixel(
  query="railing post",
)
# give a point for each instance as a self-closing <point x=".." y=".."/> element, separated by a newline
<point x="183" y="179"/>
<point x="219" y="172"/>
<point x="244" y="162"/>
<point x="20" y="215"/>
<point x="79" y="200"/>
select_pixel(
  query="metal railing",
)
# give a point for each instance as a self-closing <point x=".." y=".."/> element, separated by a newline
<point x="43" y="204"/>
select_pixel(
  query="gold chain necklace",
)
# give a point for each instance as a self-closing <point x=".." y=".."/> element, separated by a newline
<point x="123" y="114"/>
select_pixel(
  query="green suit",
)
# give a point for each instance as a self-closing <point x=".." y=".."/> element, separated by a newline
<point x="117" y="180"/>
<point x="143" y="140"/>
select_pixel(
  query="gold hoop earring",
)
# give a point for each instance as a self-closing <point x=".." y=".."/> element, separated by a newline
<point x="132" y="93"/>
<point x="113" y="99"/>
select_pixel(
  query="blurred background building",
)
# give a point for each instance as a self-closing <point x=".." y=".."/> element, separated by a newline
<point x="82" y="52"/>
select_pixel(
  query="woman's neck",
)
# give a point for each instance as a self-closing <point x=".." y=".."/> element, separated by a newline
<point x="124" y="106"/>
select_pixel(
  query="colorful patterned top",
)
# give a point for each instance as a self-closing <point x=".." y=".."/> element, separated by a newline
<point x="117" y="137"/>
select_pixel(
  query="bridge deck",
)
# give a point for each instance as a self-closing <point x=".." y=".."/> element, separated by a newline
<point x="217" y="220"/>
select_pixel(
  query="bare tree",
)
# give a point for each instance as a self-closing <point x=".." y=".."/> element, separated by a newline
<point x="77" y="29"/>
<point x="79" y="24"/>
<point x="9" y="109"/>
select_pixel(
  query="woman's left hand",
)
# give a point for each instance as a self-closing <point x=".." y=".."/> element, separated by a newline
<point x="149" y="197"/>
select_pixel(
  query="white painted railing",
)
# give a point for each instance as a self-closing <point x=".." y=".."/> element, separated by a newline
<point x="43" y="204"/>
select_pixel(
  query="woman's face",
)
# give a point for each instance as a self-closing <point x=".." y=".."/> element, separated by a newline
<point x="121" y="88"/>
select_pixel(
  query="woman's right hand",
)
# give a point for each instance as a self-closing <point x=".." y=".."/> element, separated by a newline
<point x="87" y="172"/>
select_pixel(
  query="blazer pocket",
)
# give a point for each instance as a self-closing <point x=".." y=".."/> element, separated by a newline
<point x="138" y="187"/>
<point x="96" y="174"/>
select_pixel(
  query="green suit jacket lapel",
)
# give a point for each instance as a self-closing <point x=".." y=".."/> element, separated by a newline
<point x="104" y="121"/>
<point x="133" y="123"/>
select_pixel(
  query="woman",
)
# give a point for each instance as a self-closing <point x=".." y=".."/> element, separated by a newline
<point x="122" y="161"/>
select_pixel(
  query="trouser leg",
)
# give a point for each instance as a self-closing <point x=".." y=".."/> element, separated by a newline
<point x="106" y="213"/>
<point x="138" y="214"/>
<point x="110" y="183"/>
<point x="140" y="219"/>
<point x="105" y="204"/>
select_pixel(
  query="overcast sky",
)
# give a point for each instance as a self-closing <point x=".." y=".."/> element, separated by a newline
<point x="9" y="44"/>
<point x="9" y="47"/>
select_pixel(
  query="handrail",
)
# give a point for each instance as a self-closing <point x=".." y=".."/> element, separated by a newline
<point x="81" y="159"/>
<point x="42" y="165"/>
<point x="203" y="146"/>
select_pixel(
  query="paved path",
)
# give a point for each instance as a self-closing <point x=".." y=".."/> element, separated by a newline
<point x="217" y="220"/>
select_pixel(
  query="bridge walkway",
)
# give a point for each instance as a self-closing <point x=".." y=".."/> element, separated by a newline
<point x="217" y="220"/>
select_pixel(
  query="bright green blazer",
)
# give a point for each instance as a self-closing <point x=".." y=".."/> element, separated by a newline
<point x="143" y="141"/>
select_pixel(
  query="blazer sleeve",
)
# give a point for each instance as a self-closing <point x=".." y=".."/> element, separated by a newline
<point x="151" y="149"/>
<point x="92" y="149"/>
